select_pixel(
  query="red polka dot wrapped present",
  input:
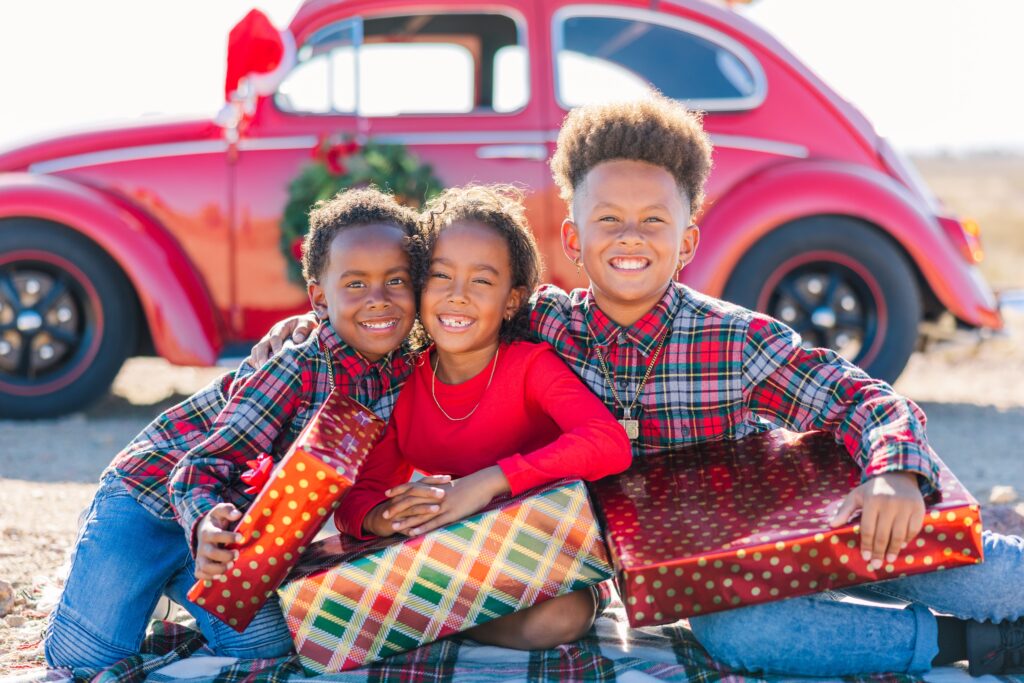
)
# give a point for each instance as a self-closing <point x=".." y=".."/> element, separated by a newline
<point x="734" y="523"/>
<point x="294" y="501"/>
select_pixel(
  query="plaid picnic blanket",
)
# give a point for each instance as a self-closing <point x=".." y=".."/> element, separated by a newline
<point x="611" y="652"/>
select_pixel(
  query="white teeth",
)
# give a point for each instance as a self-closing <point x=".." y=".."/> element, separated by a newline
<point x="380" y="325"/>
<point x="629" y="263"/>
<point x="454" y="322"/>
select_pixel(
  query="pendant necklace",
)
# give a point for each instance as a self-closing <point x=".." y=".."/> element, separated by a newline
<point x="433" y="389"/>
<point x="330" y="363"/>
<point x="628" y="422"/>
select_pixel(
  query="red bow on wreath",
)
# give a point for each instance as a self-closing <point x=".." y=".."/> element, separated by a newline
<point x="259" y="473"/>
<point x="333" y="156"/>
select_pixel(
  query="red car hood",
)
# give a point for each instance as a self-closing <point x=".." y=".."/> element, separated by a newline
<point x="132" y="134"/>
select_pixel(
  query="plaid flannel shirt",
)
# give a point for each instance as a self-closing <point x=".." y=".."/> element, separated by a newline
<point x="145" y="464"/>
<point x="726" y="372"/>
<point x="267" y="410"/>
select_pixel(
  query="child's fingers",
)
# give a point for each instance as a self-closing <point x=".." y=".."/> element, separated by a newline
<point x="414" y="489"/>
<point x="425" y="511"/>
<point x="849" y="505"/>
<point x="223" y="514"/>
<point x="898" y="539"/>
<point x="868" y="520"/>
<point x="212" y="553"/>
<point x="413" y="522"/>
<point x="220" y="537"/>
<point x="915" y="523"/>
<point x="883" y="532"/>
<point x="436" y="480"/>
<point x="398" y="508"/>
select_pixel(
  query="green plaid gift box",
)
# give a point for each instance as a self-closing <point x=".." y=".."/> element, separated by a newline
<point x="349" y="603"/>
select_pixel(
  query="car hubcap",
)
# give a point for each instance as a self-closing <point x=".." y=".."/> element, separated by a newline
<point x="829" y="305"/>
<point x="42" y="320"/>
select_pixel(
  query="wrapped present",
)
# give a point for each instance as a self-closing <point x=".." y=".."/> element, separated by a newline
<point x="293" y="502"/>
<point x="733" y="523"/>
<point x="349" y="602"/>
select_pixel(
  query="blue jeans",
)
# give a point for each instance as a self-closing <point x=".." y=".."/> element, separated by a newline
<point x="125" y="558"/>
<point x="818" y="635"/>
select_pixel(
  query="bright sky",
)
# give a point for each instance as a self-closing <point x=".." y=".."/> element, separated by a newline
<point x="930" y="74"/>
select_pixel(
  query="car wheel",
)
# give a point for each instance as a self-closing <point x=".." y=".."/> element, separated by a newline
<point x="67" y="320"/>
<point x="840" y="284"/>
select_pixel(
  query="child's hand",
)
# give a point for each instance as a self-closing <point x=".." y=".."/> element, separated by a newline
<point x="297" y="328"/>
<point x="212" y="535"/>
<point x="892" y="512"/>
<point x="466" y="496"/>
<point x="414" y="500"/>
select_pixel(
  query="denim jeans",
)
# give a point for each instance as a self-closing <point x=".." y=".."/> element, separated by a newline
<point x="820" y="635"/>
<point x="125" y="558"/>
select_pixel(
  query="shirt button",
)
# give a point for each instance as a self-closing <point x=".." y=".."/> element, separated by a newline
<point x="684" y="430"/>
<point x="622" y="338"/>
<point x="622" y="384"/>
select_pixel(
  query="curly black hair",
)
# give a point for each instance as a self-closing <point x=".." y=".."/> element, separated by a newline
<point x="655" y="129"/>
<point x="501" y="208"/>
<point x="353" y="208"/>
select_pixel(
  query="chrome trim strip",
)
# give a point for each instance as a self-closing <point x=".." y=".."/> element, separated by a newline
<point x="292" y="142"/>
<point x="678" y="23"/>
<point x="483" y="137"/>
<point x="535" y="152"/>
<point x="785" y="149"/>
<point x="110" y="156"/>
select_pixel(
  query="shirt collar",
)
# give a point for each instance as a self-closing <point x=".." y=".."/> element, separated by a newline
<point x="346" y="358"/>
<point x="645" y="333"/>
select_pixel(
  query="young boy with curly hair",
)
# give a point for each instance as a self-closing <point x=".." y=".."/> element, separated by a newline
<point x="679" y="367"/>
<point x="157" y="507"/>
<point x="633" y="175"/>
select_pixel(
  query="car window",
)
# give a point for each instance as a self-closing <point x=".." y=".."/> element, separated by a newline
<point x="602" y="58"/>
<point x="415" y="64"/>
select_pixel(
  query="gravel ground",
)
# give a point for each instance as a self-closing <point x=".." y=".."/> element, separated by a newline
<point x="49" y="468"/>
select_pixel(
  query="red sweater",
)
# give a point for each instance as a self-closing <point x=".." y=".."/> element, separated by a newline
<point x="537" y="421"/>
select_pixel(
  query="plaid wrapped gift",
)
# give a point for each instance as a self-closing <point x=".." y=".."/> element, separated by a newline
<point x="732" y="523"/>
<point x="301" y="492"/>
<point x="349" y="603"/>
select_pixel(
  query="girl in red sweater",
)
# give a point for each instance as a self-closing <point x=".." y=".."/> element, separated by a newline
<point x="485" y="412"/>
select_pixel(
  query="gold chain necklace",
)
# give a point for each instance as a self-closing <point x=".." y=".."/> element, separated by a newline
<point x="631" y="425"/>
<point x="433" y="389"/>
<point x="330" y="363"/>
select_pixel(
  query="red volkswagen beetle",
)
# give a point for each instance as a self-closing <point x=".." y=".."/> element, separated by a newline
<point x="166" y="237"/>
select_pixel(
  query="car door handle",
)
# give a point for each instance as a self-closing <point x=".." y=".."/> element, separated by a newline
<point x="534" y="152"/>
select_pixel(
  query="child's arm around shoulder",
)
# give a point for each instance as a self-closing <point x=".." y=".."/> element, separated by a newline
<point x="259" y="408"/>
<point x="592" y="444"/>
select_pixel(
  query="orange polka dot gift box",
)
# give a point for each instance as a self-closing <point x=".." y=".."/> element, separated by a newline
<point x="732" y="523"/>
<point x="350" y="602"/>
<point x="294" y="500"/>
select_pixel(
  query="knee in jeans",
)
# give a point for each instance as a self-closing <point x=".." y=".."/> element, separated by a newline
<point x="69" y="644"/>
<point x="735" y="638"/>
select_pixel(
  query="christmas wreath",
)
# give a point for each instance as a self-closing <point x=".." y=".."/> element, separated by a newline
<point x="348" y="164"/>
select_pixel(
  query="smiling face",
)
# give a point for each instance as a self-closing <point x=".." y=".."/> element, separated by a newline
<point x="631" y="230"/>
<point x="468" y="291"/>
<point x="366" y="289"/>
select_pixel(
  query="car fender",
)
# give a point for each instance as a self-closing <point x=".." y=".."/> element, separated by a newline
<point x="180" y="313"/>
<point x="788" y="191"/>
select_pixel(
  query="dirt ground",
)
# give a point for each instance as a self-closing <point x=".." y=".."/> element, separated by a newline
<point x="974" y="398"/>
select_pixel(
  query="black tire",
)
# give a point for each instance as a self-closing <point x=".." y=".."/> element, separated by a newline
<point x="68" y="320"/>
<point x="838" y="270"/>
